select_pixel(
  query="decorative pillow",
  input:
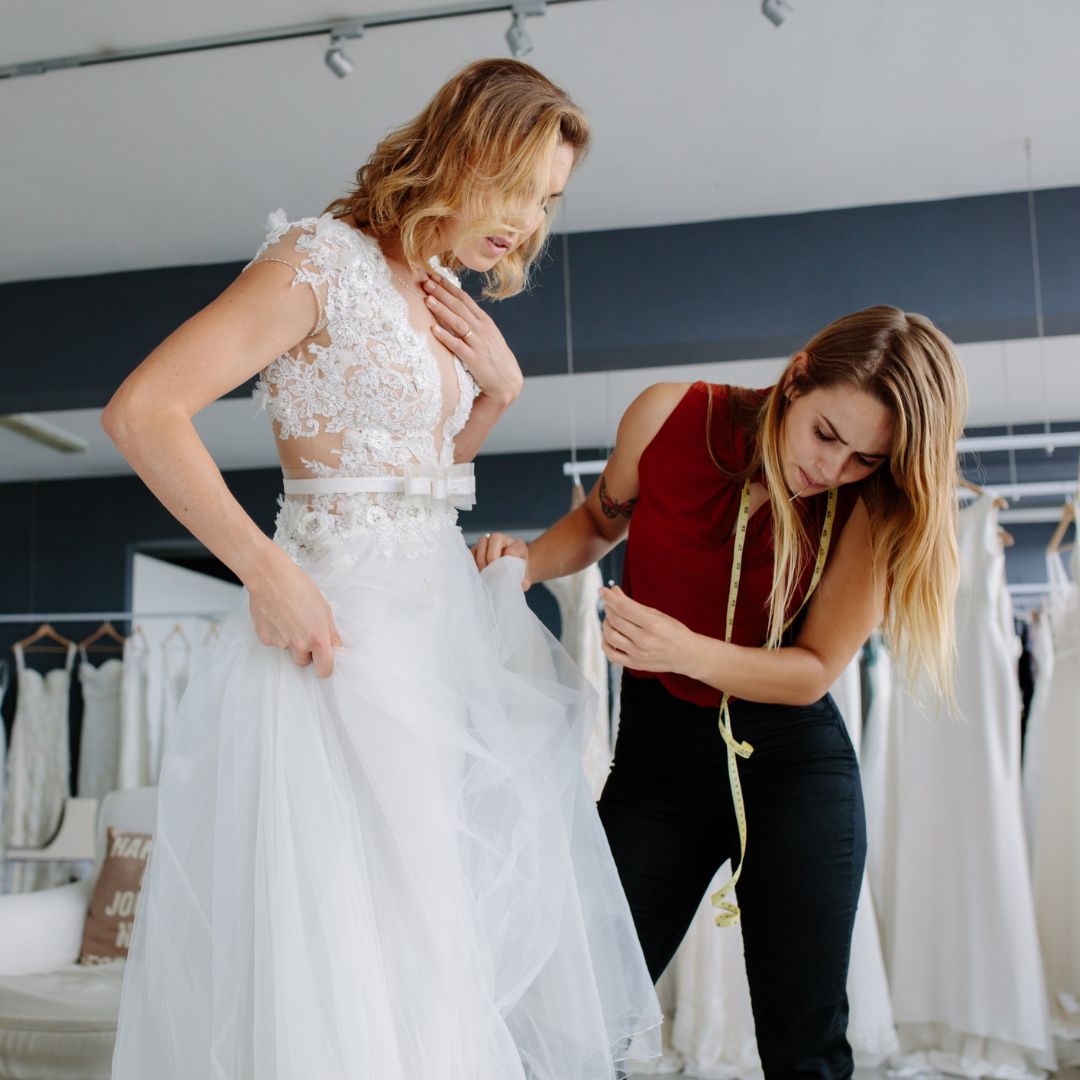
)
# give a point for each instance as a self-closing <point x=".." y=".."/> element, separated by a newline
<point x="109" y="922"/>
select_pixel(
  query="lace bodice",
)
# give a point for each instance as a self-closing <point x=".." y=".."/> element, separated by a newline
<point x="363" y="395"/>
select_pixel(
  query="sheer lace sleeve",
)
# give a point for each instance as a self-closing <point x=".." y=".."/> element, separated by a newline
<point x="290" y="243"/>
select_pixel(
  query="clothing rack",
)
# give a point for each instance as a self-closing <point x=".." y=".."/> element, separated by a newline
<point x="108" y="616"/>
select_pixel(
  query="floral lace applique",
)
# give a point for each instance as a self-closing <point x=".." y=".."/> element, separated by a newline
<point x="364" y="389"/>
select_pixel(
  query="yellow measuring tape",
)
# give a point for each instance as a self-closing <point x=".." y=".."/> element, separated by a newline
<point x="727" y="910"/>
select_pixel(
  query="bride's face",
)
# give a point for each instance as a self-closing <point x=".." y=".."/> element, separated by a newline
<point x="481" y="253"/>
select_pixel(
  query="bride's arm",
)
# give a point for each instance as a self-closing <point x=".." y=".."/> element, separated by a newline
<point x="257" y="318"/>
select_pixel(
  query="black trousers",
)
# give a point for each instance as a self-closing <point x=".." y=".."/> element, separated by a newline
<point x="669" y="818"/>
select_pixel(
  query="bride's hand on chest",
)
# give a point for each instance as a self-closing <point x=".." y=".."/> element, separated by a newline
<point x="471" y="335"/>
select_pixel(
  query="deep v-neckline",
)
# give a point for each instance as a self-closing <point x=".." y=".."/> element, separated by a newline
<point x="423" y="346"/>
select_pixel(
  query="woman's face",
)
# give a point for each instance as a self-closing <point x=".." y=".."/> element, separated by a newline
<point x="483" y="252"/>
<point x="834" y="435"/>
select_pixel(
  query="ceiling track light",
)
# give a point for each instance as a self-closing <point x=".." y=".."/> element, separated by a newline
<point x="776" y="11"/>
<point x="338" y="29"/>
<point x="336" y="58"/>
<point x="517" y="37"/>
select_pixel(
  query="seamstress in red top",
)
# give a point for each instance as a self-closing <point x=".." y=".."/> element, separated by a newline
<point x="768" y="533"/>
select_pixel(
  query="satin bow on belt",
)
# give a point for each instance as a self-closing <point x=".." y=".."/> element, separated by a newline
<point x="455" y="484"/>
<point x="422" y="485"/>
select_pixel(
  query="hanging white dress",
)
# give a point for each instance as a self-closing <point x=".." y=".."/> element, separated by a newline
<point x="871" y="1030"/>
<point x="99" y="744"/>
<point x="713" y="1028"/>
<point x="176" y="661"/>
<point x="38" y="764"/>
<point x="1056" y="849"/>
<point x="873" y="768"/>
<point x="961" y="944"/>
<point x="397" y="872"/>
<point x="133" y="768"/>
<point x="1042" y="650"/>
<point x="5" y="676"/>
<point x="582" y="637"/>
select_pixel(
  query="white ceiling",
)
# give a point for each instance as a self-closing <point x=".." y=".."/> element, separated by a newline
<point x="701" y="108"/>
<point x="1019" y="382"/>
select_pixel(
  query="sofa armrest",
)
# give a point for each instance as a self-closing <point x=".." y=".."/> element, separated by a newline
<point x="42" y="931"/>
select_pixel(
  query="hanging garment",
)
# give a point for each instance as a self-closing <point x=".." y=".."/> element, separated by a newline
<point x="713" y="1028"/>
<point x="961" y="943"/>
<point x="99" y="745"/>
<point x="1042" y="650"/>
<point x="5" y="676"/>
<point x="397" y="871"/>
<point x="871" y="1031"/>
<point x="582" y="638"/>
<point x="38" y="765"/>
<point x="1056" y="848"/>
<point x="873" y="767"/>
<point x="176" y="657"/>
<point x="133" y="768"/>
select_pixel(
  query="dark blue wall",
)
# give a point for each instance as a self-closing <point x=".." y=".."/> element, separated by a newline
<point x="641" y="297"/>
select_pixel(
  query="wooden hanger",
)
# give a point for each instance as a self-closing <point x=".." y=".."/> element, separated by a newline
<point x="1007" y="539"/>
<point x="176" y="632"/>
<point x="1068" y="516"/>
<point x="46" y="631"/>
<point x="212" y="634"/>
<point x="999" y="502"/>
<point x="105" y="630"/>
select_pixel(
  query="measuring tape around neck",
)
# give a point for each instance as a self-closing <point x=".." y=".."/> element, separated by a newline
<point x="728" y="910"/>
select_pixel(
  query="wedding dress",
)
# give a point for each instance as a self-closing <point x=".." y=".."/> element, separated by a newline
<point x="99" y="744"/>
<point x="38" y="763"/>
<point x="396" y="872"/>
<point x="582" y="638"/>
<point x="961" y="945"/>
<point x="1055" y="856"/>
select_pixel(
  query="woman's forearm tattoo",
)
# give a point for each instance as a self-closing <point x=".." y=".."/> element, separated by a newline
<point x="612" y="507"/>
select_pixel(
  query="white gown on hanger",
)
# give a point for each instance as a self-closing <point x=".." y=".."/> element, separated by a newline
<point x="713" y="1029"/>
<point x="397" y="872"/>
<point x="873" y="768"/>
<point x="38" y="765"/>
<point x="99" y="744"/>
<point x="4" y="679"/>
<point x="134" y="754"/>
<point x="1055" y="853"/>
<point x="582" y="637"/>
<point x="962" y="948"/>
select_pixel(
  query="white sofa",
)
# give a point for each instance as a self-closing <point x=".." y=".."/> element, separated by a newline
<point x="58" y="1017"/>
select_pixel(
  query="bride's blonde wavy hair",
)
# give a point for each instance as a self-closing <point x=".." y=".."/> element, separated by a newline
<point x="482" y="146"/>
<point x="906" y="363"/>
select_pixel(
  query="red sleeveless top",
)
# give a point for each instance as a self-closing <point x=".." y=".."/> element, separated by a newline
<point x="680" y="545"/>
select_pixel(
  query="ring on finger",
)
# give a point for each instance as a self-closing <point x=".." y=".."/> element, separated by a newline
<point x="472" y="330"/>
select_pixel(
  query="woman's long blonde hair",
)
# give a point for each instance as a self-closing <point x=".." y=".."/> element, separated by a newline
<point x="910" y="366"/>
<point x="482" y="145"/>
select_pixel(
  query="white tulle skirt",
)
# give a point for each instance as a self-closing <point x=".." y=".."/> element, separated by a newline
<point x="395" y="873"/>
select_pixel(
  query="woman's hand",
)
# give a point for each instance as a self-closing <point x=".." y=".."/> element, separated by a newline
<point x="289" y="612"/>
<point x="645" y="639"/>
<point x="494" y="546"/>
<point x="472" y="336"/>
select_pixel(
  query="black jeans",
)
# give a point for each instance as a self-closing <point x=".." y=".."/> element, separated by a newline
<point x="669" y="818"/>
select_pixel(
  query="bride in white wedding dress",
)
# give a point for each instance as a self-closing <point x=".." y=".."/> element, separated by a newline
<point x="376" y="855"/>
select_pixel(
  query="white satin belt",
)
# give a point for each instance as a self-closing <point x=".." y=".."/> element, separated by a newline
<point x="455" y="484"/>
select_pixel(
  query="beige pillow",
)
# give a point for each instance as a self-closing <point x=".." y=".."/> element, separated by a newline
<point x="109" y="922"/>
